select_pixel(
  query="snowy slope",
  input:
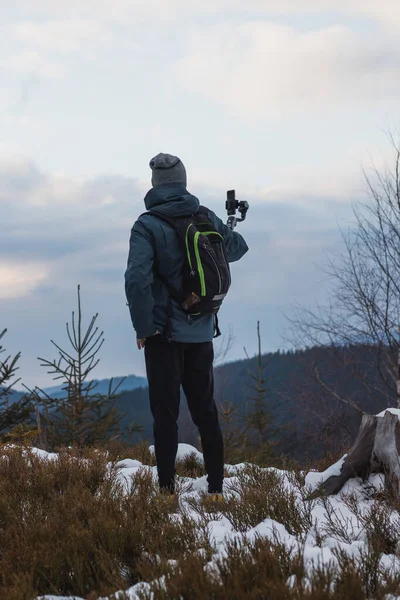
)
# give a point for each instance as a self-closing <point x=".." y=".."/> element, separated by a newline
<point x="314" y="552"/>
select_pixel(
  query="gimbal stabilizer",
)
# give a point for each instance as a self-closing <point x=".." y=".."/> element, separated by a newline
<point x="232" y="205"/>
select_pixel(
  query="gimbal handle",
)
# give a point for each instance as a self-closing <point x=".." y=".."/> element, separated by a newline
<point x="233" y="220"/>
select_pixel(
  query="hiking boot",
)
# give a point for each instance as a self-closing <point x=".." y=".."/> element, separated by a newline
<point x="171" y="499"/>
<point x="216" y="498"/>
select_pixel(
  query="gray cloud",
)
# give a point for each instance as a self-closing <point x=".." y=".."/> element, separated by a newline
<point x="18" y="178"/>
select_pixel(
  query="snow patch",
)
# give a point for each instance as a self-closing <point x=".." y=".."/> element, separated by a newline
<point x="184" y="450"/>
<point x="314" y="478"/>
<point x="393" y="411"/>
<point x="129" y="463"/>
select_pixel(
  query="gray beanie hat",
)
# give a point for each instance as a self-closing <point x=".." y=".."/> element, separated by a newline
<point x="167" y="169"/>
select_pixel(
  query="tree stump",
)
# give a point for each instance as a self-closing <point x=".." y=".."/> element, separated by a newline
<point x="376" y="450"/>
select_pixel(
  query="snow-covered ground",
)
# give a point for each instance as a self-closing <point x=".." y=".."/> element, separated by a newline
<point x="314" y="551"/>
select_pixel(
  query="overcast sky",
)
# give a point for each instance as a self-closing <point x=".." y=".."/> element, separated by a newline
<point x="285" y="101"/>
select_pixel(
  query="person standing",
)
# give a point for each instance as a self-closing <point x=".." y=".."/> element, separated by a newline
<point x="184" y="356"/>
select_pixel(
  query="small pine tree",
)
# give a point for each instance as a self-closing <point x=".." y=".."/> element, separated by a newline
<point x="82" y="416"/>
<point x="234" y="431"/>
<point x="13" y="413"/>
<point x="259" y="418"/>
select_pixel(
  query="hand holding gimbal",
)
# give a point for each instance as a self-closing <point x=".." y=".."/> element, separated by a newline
<point x="232" y="205"/>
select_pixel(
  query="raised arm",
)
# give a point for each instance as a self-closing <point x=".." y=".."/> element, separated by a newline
<point x="236" y="247"/>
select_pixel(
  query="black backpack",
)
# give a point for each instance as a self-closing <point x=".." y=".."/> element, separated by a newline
<point x="206" y="272"/>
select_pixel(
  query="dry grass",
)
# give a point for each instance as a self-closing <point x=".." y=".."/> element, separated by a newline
<point x="190" y="466"/>
<point x="261" y="494"/>
<point x="260" y="570"/>
<point x="247" y="571"/>
<point x="68" y="527"/>
<point x="257" y="494"/>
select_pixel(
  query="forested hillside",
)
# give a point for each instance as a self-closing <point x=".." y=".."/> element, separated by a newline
<point x="308" y="395"/>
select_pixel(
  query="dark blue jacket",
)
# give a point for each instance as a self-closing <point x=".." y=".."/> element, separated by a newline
<point x="147" y="296"/>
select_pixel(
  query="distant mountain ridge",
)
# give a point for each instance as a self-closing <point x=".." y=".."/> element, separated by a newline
<point x="129" y="383"/>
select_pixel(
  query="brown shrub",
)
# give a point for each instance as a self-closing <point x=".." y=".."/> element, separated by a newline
<point x="190" y="466"/>
<point x="261" y="494"/>
<point x="67" y="527"/>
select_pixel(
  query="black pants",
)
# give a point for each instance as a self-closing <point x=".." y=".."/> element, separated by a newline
<point x="170" y="365"/>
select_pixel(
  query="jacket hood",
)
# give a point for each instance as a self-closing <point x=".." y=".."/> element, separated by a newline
<point x="172" y="199"/>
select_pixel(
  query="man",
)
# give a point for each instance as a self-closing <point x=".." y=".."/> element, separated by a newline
<point x="155" y="258"/>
